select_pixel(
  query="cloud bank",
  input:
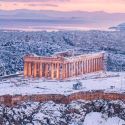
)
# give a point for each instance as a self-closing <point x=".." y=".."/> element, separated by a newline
<point x="65" y="5"/>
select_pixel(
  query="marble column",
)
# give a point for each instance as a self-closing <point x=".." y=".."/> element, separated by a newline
<point x="98" y="64"/>
<point x="92" y="65"/>
<point x="81" y="67"/>
<point x="41" y="70"/>
<point x="58" y="71"/>
<point x="73" y="68"/>
<point x="87" y="66"/>
<point x="34" y="68"/>
<point x="52" y="71"/>
<point x="83" y="62"/>
<point x="25" y="69"/>
<point x="64" y="71"/>
<point x="46" y="70"/>
<point x="95" y="64"/>
<point x="78" y="68"/>
<point x="102" y="68"/>
<point x="68" y="70"/>
<point x="29" y="69"/>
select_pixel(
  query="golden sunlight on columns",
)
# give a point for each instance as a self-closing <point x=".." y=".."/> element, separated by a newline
<point x="92" y="65"/>
<point x="63" y="72"/>
<point x="25" y="69"/>
<point x="29" y="69"/>
<point x="66" y="73"/>
<point x="68" y="70"/>
<point x="46" y="70"/>
<point x="102" y="63"/>
<point x="58" y="71"/>
<point x="78" y="67"/>
<point x="83" y="67"/>
<point x="52" y="71"/>
<point x="34" y="68"/>
<point x="87" y="66"/>
<point x="72" y="73"/>
<point x="96" y="64"/>
<point x="73" y="69"/>
<point x="41" y="70"/>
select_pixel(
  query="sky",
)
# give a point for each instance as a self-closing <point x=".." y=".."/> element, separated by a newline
<point x="110" y="6"/>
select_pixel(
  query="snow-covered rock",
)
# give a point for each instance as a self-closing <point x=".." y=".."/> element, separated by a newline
<point x="96" y="112"/>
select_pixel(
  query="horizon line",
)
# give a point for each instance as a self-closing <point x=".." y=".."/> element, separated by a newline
<point x="101" y="11"/>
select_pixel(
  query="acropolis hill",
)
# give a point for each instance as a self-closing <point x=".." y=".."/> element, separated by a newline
<point x="62" y="65"/>
<point x="54" y="78"/>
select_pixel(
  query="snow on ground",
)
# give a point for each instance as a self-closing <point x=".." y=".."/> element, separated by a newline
<point x="95" y="118"/>
<point x="98" y="81"/>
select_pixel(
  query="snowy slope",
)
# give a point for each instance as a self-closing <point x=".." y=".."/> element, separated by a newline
<point x="94" y="81"/>
<point x="95" y="118"/>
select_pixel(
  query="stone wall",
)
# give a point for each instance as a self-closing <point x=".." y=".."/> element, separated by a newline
<point x="10" y="100"/>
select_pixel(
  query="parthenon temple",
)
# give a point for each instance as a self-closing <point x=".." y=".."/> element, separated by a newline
<point x="62" y="65"/>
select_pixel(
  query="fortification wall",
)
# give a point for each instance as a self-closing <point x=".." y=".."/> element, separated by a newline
<point x="10" y="100"/>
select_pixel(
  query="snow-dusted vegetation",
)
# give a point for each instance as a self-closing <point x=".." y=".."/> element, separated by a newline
<point x="79" y="112"/>
<point x="14" y="45"/>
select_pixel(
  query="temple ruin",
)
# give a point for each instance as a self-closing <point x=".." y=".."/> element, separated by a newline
<point x="62" y="65"/>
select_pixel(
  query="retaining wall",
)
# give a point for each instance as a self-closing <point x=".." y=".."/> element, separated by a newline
<point x="10" y="100"/>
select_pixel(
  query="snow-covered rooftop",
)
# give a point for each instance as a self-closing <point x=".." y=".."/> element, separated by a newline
<point x="98" y="81"/>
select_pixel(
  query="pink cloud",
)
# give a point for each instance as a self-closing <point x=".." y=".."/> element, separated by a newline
<point x="49" y="5"/>
<point x="65" y="5"/>
<point x="34" y="0"/>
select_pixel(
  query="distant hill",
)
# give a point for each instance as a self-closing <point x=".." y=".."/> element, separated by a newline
<point x="49" y="17"/>
<point x="120" y="27"/>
